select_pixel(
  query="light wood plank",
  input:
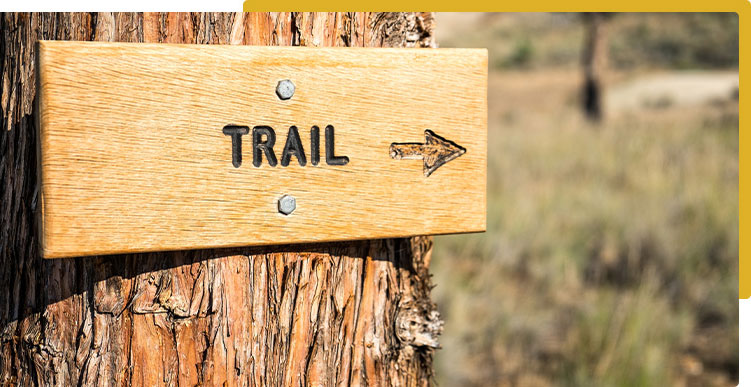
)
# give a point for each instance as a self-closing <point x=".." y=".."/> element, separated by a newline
<point x="133" y="155"/>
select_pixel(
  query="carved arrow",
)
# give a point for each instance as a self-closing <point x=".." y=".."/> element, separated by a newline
<point x="435" y="152"/>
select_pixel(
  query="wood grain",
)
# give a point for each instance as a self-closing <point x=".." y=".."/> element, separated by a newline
<point x="133" y="157"/>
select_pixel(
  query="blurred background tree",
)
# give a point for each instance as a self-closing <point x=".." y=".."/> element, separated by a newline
<point x="594" y="62"/>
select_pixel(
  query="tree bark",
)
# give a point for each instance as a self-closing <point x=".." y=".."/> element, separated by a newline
<point x="346" y="313"/>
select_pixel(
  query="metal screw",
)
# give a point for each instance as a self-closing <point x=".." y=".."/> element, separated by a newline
<point x="287" y="204"/>
<point x="285" y="89"/>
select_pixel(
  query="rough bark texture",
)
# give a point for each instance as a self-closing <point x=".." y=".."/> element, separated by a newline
<point x="349" y="313"/>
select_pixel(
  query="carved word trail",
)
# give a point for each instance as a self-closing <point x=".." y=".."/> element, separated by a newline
<point x="264" y="139"/>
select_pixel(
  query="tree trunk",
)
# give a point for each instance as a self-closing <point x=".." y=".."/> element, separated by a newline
<point x="594" y="61"/>
<point x="345" y="313"/>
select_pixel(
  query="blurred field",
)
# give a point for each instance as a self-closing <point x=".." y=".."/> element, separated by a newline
<point x="611" y="256"/>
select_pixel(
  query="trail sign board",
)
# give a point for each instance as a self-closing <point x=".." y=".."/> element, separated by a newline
<point x="147" y="147"/>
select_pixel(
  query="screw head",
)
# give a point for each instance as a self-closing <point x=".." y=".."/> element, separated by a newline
<point x="285" y="89"/>
<point x="287" y="204"/>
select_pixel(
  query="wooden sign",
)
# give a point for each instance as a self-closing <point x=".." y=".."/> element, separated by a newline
<point x="148" y="147"/>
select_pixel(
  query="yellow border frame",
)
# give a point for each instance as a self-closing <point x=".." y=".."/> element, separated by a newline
<point x="738" y="6"/>
<point x="741" y="7"/>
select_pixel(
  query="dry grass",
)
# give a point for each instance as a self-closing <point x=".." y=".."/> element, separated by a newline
<point x="611" y="252"/>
